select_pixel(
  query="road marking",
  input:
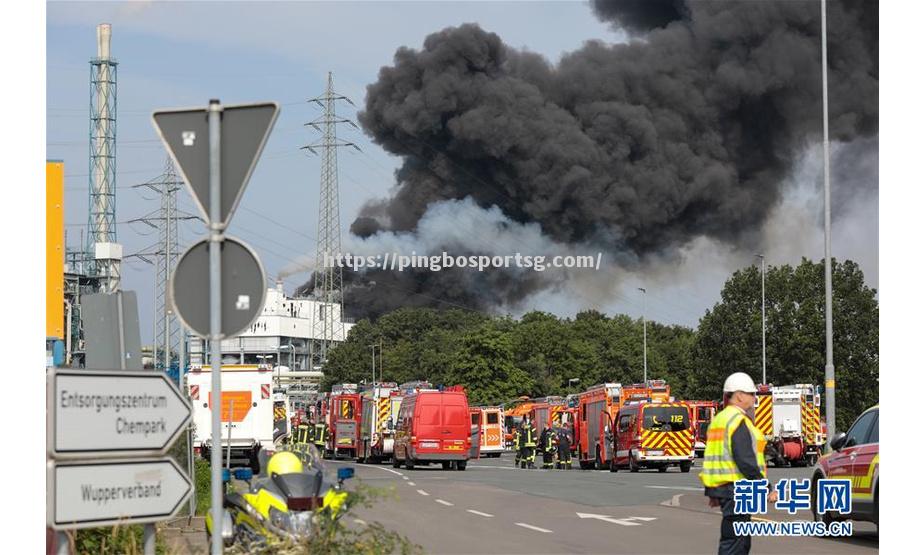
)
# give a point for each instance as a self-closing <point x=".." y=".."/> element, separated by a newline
<point x="674" y="501"/>
<point x="441" y="502"/>
<point x="411" y="484"/>
<point x="370" y="466"/>
<point x="359" y="521"/>
<point x="479" y="513"/>
<point x="605" y="518"/>
<point x="422" y="492"/>
<point x="531" y="527"/>
<point x="498" y="467"/>
<point x="685" y="488"/>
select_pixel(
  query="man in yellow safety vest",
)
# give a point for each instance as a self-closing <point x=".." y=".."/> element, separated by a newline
<point x="734" y="451"/>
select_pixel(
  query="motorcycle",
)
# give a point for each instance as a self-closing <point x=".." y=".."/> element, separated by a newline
<point x="284" y="506"/>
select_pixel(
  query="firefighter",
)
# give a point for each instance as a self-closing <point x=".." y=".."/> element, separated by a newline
<point x="516" y="446"/>
<point x="564" y="450"/>
<point x="301" y="437"/>
<point x="547" y="445"/>
<point x="734" y="451"/>
<point x="320" y="437"/>
<point x="528" y="442"/>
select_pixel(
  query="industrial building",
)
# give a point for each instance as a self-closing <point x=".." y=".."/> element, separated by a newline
<point x="289" y="332"/>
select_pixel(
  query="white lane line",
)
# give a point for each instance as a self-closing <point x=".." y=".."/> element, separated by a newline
<point x="479" y="513"/>
<point x="422" y="492"/>
<point x="685" y="488"/>
<point x="441" y="502"/>
<point x="370" y="466"/>
<point x="359" y="521"/>
<point x="411" y="484"/>
<point x="531" y="527"/>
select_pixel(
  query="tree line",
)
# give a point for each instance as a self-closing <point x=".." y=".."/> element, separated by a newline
<point x="498" y="358"/>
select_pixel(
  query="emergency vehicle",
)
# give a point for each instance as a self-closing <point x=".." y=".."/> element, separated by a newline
<point x="789" y="416"/>
<point x="344" y="418"/>
<point x="377" y="429"/>
<point x="246" y="411"/>
<point x="548" y="412"/>
<point x="490" y="424"/>
<point x="703" y="411"/>
<point x="596" y="407"/>
<point x="653" y="434"/>
<point x="433" y="426"/>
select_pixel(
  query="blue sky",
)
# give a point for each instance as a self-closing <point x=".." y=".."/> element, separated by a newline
<point x="179" y="54"/>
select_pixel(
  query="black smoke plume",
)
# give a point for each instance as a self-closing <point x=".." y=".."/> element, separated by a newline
<point x="687" y="130"/>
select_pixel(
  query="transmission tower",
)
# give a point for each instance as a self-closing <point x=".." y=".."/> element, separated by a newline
<point x="328" y="281"/>
<point x="104" y="255"/>
<point x="163" y="256"/>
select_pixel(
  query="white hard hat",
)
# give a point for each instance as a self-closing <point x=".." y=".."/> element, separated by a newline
<point x="739" y="381"/>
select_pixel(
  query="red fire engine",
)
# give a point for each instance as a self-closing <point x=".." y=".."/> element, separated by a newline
<point x="345" y="416"/>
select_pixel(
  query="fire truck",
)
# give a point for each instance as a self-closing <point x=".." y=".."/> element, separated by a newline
<point x="596" y="408"/>
<point x="344" y="418"/>
<point x="703" y="411"/>
<point x="246" y="412"/>
<point x="789" y="416"/>
<point x="377" y="427"/>
<point x="547" y="412"/>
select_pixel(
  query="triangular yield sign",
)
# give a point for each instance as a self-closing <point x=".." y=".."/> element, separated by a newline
<point x="244" y="130"/>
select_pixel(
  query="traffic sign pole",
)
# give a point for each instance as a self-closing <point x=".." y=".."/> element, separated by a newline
<point x="216" y="228"/>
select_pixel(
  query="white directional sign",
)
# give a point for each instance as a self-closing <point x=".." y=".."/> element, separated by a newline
<point x="111" y="413"/>
<point x="105" y="493"/>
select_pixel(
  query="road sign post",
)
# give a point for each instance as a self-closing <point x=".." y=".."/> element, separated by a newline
<point x="216" y="174"/>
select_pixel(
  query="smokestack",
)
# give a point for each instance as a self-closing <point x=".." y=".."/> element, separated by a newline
<point x="102" y="240"/>
<point x="103" y="38"/>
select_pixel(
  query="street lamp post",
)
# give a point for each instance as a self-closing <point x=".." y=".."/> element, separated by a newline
<point x="644" y="337"/>
<point x="829" y="328"/>
<point x="763" y="318"/>
<point x="373" y="346"/>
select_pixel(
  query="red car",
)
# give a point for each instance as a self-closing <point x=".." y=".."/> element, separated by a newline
<point x="855" y="457"/>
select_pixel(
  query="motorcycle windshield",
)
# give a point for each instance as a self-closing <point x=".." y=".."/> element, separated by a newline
<point x="299" y="484"/>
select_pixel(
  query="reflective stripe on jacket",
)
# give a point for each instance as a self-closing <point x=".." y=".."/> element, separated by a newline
<point x="719" y="466"/>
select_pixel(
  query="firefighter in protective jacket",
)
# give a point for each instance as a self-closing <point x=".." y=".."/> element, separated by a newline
<point x="528" y="442"/>
<point x="547" y="446"/>
<point x="516" y="446"/>
<point x="564" y="450"/>
<point x="320" y="436"/>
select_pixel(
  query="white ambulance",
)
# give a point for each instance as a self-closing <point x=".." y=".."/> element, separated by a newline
<point x="246" y="412"/>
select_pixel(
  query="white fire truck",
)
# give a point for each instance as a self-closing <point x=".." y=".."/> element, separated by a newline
<point x="790" y="418"/>
<point x="246" y="412"/>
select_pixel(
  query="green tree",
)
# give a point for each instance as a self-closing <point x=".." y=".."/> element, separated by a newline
<point x="729" y="336"/>
<point x="486" y="368"/>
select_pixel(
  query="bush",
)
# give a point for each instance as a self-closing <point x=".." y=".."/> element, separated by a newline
<point x="115" y="540"/>
<point x="203" y="483"/>
<point x="332" y="537"/>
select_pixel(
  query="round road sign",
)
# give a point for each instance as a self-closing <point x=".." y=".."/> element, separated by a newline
<point x="243" y="288"/>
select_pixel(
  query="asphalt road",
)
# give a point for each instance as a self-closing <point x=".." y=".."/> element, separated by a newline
<point x="494" y="508"/>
